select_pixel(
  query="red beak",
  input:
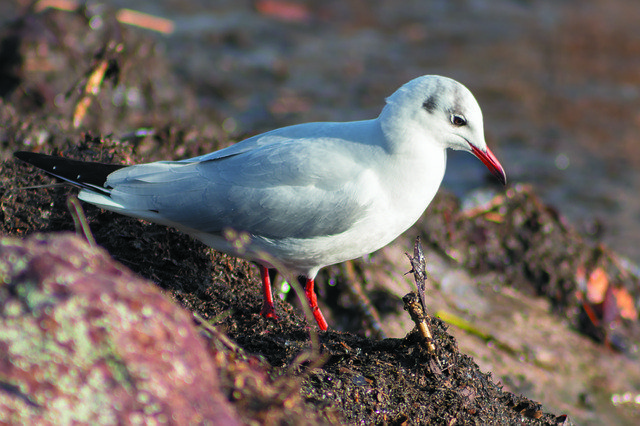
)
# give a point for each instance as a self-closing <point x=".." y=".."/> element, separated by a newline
<point x="491" y="162"/>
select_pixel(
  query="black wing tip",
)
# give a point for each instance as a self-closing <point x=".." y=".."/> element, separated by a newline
<point x="28" y="155"/>
<point x="25" y="155"/>
<point x="42" y="161"/>
<point x="82" y="173"/>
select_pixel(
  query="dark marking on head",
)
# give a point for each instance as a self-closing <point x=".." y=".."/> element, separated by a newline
<point x="430" y="104"/>
<point x="457" y="101"/>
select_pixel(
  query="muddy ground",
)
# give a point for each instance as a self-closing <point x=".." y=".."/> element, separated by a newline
<point x="516" y="280"/>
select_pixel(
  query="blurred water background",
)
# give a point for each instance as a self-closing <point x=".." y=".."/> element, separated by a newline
<point x="559" y="82"/>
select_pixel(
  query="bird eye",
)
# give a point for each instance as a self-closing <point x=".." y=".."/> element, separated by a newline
<point x="458" y="120"/>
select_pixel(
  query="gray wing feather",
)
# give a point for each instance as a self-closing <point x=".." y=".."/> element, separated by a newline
<point x="273" y="186"/>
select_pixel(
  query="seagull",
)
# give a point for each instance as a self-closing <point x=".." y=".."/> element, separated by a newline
<point x="305" y="196"/>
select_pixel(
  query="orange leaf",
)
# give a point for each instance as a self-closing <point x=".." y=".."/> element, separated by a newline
<point x="597" y="286"/>
<point x="284" y="10"/>
<point x="625" y="304"/>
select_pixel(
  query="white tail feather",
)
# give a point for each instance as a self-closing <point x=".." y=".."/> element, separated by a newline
<point x="100" y="200"/>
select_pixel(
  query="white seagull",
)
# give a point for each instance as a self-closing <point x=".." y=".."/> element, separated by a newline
<point x="308" y="195"/>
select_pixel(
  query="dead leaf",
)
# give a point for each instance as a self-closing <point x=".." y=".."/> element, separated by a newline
<point x="625" y="303"/>
<point x="597" y="286"/>
<point x="284" y="10"/>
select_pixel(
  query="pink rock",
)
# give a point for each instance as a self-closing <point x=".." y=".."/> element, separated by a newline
<point x="83" y="340"/>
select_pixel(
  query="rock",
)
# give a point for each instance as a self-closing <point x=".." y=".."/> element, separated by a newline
<point x="83" y="340"/>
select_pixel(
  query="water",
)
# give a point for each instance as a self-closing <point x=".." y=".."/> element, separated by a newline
<point x="558" y="86"/>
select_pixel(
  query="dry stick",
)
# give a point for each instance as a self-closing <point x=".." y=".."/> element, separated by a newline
<point x="418" y="268"/>
<point x="283" y="387"/>
<point x="80" y="220"/>
<point x="356" y="290"/>
<point x="124" y="16"/>
<point x="416" y="310"/>
<point x="91" y="90"/>
<point x="45" y="186"/>
<point x="144" y="20"/>
<point x="214" y="332"/>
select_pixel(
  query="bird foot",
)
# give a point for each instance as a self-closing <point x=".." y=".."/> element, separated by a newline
<point x="268" y="306"/>
<point x="268" y="311"/>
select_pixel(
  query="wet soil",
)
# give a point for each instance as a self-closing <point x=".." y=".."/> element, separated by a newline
<point x="514" y="255"/>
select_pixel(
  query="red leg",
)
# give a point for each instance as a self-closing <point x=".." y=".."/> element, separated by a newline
<point x="268" y="309"/>
<point x="313" y="304"/>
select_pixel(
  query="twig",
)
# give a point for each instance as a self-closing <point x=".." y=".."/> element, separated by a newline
<point x="418" y="316"/>
<point x="144" y="20"/>
<point x="419" y="271"/>
<point x="213" y="331"/>
<point x="355" y="288"/>
<point x="416" y="310"/>
<point x="124" y="16"/>
<point x="80" y="220"/>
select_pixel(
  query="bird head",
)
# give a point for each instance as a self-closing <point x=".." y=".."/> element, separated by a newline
<point x="438" y="110"/>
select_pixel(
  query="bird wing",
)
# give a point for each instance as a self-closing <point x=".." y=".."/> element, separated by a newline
<point x="276" y="185"/>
